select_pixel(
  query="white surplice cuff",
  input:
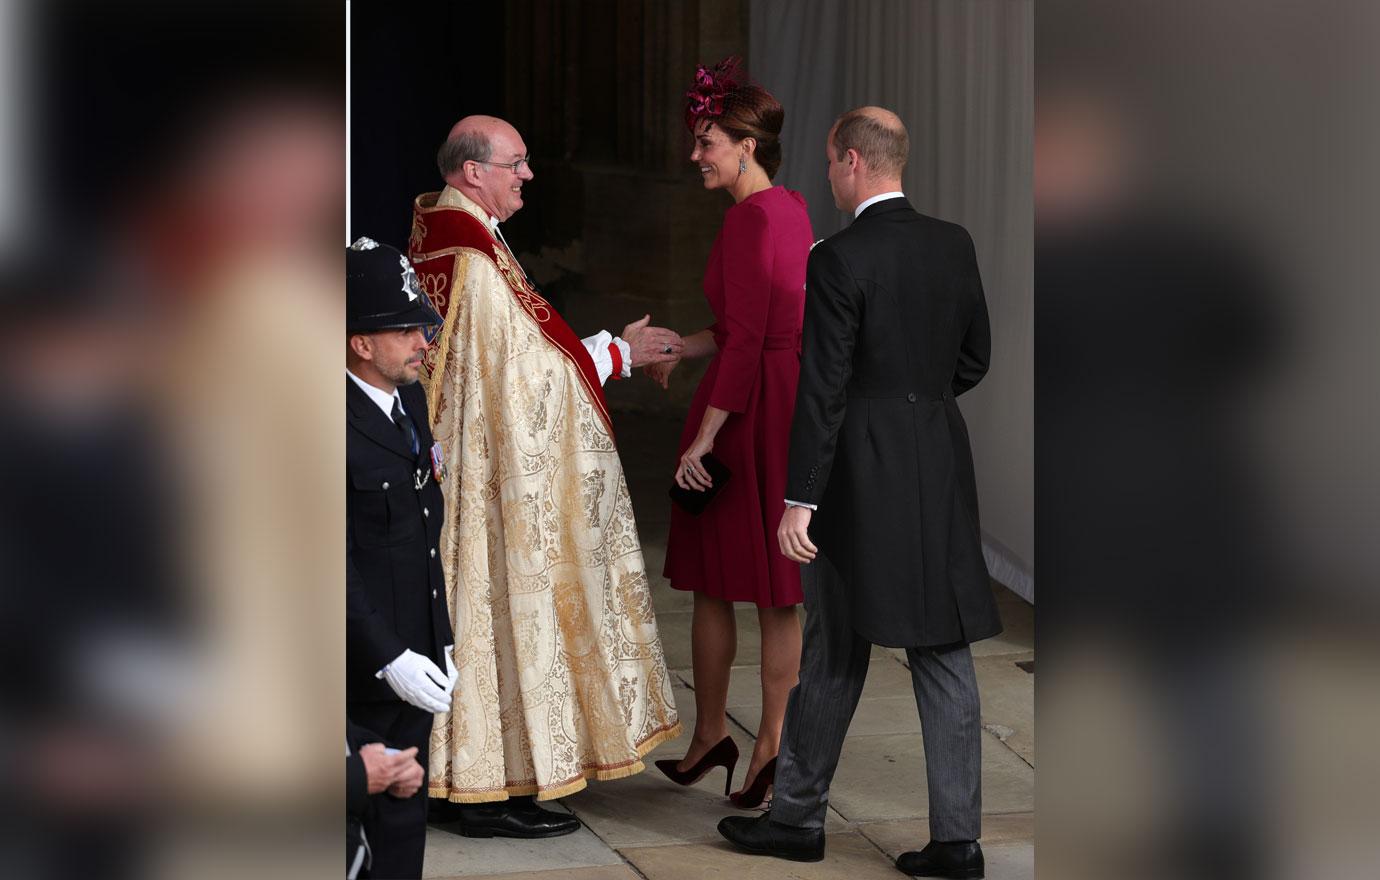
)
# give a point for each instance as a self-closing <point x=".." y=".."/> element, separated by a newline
<point x="598" y="348"/>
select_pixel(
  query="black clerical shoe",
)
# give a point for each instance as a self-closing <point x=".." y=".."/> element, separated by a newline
<point x="958" y="860"/>
<point x="515" y="817"/>
<point x="762" y="837"/>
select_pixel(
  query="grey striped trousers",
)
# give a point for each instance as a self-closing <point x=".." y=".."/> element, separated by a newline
<point x="833" y="668"/>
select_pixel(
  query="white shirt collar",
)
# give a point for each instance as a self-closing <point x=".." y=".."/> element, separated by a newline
<point x="857" y="212"/>
<point x="379" y="396"/>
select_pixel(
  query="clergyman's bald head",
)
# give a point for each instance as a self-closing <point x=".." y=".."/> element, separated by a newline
<point x="878" y="136"/>
<point x="485" y="158"/>
<point x="471" y="140"/>
<point x="481" y="126"/>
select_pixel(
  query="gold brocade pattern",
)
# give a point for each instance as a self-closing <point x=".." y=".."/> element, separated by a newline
<point x="562" y="676"/>
<point x="532" y="301"/>
<point x="438" y="290"/>
<point x="496" y="253"/>
<point x="418" y="234"/>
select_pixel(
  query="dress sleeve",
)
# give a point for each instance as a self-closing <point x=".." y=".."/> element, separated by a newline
<point x="747" y="270"/>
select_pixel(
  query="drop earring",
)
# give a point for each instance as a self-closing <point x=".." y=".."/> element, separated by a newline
<point x="742" y="166"/>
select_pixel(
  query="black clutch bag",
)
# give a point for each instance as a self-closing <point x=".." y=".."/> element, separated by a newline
<point x="693" y="501"/>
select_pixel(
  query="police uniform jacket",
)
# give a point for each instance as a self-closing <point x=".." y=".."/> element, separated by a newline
<point x="396" y="595"/>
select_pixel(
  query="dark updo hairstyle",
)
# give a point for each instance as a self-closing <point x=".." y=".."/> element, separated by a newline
<point x="741" y="109"/>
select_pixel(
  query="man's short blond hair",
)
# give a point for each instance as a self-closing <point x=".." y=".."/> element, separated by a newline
<point x="879" y="137"/>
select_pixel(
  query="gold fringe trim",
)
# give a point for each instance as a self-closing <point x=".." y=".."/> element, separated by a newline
<point x="579" y="783"/>
<point x="460" y="271"/>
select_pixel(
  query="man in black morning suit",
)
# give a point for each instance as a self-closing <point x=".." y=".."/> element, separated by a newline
<point x="398" y="637"/>
<point x="881" y="479"/>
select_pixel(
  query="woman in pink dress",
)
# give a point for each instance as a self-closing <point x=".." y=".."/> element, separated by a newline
<point x="755" y="284"/>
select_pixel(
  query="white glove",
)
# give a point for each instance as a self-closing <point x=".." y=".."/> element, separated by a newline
<point x="416" y="680"/>
<point x="451" y="671"/>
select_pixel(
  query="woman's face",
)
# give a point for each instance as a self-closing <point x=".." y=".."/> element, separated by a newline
<point x="715" y="155"/>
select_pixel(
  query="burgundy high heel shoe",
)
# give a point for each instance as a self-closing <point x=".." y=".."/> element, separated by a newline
<point x="749" y="798"/>
<point x="724" y="754"/>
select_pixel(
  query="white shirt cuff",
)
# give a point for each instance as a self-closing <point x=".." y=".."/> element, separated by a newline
<point x="598" y="348"/>
<point x="790" y="503"/>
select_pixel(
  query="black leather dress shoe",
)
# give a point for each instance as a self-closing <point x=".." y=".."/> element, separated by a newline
<point x="762" y="837"/>
<point x="958" y="860"/>
<point x="517" y="817"/>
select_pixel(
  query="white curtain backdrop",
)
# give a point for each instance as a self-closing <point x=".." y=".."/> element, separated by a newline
<point x="960" y="75"/>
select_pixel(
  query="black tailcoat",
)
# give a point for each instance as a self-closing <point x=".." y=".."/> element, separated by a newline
<point x="895" y="328"/>
<point x="396" y="592"/>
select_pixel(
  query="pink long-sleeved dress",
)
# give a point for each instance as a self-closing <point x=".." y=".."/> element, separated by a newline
<point x="755" y="284"/>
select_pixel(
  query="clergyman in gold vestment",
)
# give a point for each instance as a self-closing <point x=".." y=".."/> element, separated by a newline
<point x="562" y="676"/>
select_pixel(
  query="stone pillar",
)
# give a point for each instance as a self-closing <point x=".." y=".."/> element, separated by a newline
<point x="617" y="223"/>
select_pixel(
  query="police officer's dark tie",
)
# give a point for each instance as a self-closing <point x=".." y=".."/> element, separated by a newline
<point x="403" y="422"/>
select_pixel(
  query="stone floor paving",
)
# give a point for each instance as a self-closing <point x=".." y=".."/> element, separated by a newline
<point x="646" y="827"/>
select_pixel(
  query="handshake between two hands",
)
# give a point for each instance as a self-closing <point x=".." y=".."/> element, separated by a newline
<point x="656" y="349"/>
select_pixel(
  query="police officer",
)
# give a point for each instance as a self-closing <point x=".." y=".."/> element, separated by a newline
<point x="398" y="637"/>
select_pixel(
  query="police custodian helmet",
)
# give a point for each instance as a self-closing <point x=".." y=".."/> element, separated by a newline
<point x="381" y="291"/>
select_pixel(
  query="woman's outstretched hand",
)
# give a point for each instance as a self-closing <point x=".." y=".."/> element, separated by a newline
<point x="661" y="373"/>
